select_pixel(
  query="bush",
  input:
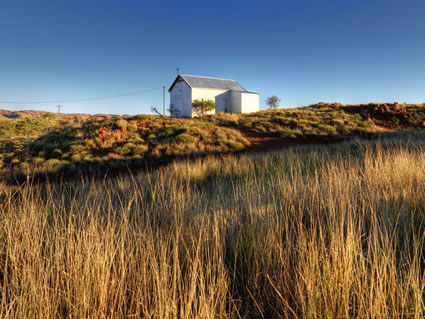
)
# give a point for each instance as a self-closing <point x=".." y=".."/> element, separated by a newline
<point x="132" y="126"/>
<point x="140" y="149"/>
<point x="234" y="146"/>
<point x="141" y="117"/>
<point x="76" y="158"/>
<point x="185" y="138"/>
<point x="201" y="107"/>
<point x="53" y="162"/>
<point x="75" y="148"/>
<point x="121" y="124"/>
<point x="125" y="149"/>
<point x="56" y="153"/>
<point x="136" y="139"/>
<point x="151" y="136"/>
<point x="38" y="160"/>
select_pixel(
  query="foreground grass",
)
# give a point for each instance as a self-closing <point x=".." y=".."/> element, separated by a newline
<point x="311" y="232"/>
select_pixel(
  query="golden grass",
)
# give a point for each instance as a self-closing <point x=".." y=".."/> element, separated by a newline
<point x="317" y="232"/>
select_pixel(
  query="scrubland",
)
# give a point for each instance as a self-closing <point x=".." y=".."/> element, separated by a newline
<point x="310" y="232"/>
<point x="46" y="145"/>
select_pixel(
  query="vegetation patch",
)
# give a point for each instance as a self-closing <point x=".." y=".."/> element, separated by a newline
<point x="106" y="140"/>
<point x="96" y="140"/>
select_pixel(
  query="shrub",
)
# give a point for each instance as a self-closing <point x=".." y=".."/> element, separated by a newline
<point x="136" y="139"/>
<point x="121" y="124"/>
<point x="234" y="146"/>
<point x="141" y="117"/>
<point x="140" y="149"/>
<point x="201" y="107"/>
<point x="75" y="148"/>
<point x="24" y="166"/>
<point x="124" y="149"/>
<point x="76" y="158"/>
<point x="337" y="122"/>
<point x="38" y="160"/>
<point x="56" y="152"/>
<point x="151" y="136"/>
<point x="185" y="138"/>
<point x="132" y="126"/>
<point x="53" y="162"/>
<point x="90" y="143"/>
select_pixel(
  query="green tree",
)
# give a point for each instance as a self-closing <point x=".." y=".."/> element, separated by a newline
<point x="273" y="101"/>
<point x="201" y="107"/>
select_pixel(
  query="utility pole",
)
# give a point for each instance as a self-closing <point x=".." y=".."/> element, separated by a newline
<point x="59" y="113"/>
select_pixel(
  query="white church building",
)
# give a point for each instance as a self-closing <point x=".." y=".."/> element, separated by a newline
<point x="228" y="95"/>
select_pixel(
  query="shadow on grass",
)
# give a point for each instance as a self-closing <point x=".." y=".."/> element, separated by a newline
<point x="89" y="170"/>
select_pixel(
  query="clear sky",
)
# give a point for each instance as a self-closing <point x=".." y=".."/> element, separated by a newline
<point x="304" y="51"/>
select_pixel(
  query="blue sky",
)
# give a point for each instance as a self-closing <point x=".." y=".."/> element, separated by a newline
<point x="304" y="51"/>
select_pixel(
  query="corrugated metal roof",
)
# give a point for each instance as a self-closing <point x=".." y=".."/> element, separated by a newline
<point x="211" y="83"/>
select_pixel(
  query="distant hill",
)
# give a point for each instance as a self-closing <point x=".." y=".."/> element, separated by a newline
<point x="19" y="115"/>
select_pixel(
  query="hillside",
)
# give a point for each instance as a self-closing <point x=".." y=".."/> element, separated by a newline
<point x="19" y="115"/>
<point x="42" y="144"/>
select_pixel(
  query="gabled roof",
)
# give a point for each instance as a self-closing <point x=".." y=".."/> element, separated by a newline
<point x="210" y="83"/>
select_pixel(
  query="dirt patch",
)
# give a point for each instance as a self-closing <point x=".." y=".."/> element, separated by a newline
<point x="261" y="143"/>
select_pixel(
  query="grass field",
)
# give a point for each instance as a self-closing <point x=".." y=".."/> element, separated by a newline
<point x="310" y="232"/>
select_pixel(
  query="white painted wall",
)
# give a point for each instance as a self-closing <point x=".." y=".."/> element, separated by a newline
<point x="220" y="97"/>
<point x="181" y="98"/>
<point x="250" y="102"/>
<point x="235" y="100"/>
<point x="182" y="95"/>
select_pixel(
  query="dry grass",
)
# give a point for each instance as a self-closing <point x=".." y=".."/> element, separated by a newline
<point x="310" y="233"/>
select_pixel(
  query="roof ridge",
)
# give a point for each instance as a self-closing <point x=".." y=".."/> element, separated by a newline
<point x="208" y="77"/>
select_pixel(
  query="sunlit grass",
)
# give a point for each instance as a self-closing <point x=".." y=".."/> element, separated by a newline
<point x="313" y="232"/>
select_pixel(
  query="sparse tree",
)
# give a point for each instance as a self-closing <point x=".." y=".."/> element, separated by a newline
<point x="173" y="110"/>
<point x="201" y="107"/>
<point x="154" y="109"/>
<point x="273" y="101"/>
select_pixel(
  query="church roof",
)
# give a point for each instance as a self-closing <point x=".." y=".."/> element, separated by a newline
<point x="195" y="81"/>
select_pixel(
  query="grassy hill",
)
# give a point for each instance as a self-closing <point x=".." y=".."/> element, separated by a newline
<point x="43" y="144"/>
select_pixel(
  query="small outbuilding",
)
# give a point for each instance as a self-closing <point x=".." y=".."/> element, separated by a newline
<point x="228" y="95"/>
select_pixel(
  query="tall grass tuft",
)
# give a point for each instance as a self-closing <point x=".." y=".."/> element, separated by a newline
<point x="317" y="232"/>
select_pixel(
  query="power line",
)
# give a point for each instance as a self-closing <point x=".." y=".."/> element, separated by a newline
<point x="81" y="100"/>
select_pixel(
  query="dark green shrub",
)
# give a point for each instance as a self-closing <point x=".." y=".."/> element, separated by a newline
<point x="75" y="148"/>
<point x="140" y="149"/>
<point x="56" y="153"/>
<point x="135" y="139"/>
<point x="53" y="162"/>
<point x="124" y="149"/>
<point x="38" y="160"/>
<point x="76" y="158"/>
<point x="185" y="138"/>
<point x="151" y="136"/>
<point x="90" y="143"/>
<point x="234" y="146"/>
<point x="141" y="117"/>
